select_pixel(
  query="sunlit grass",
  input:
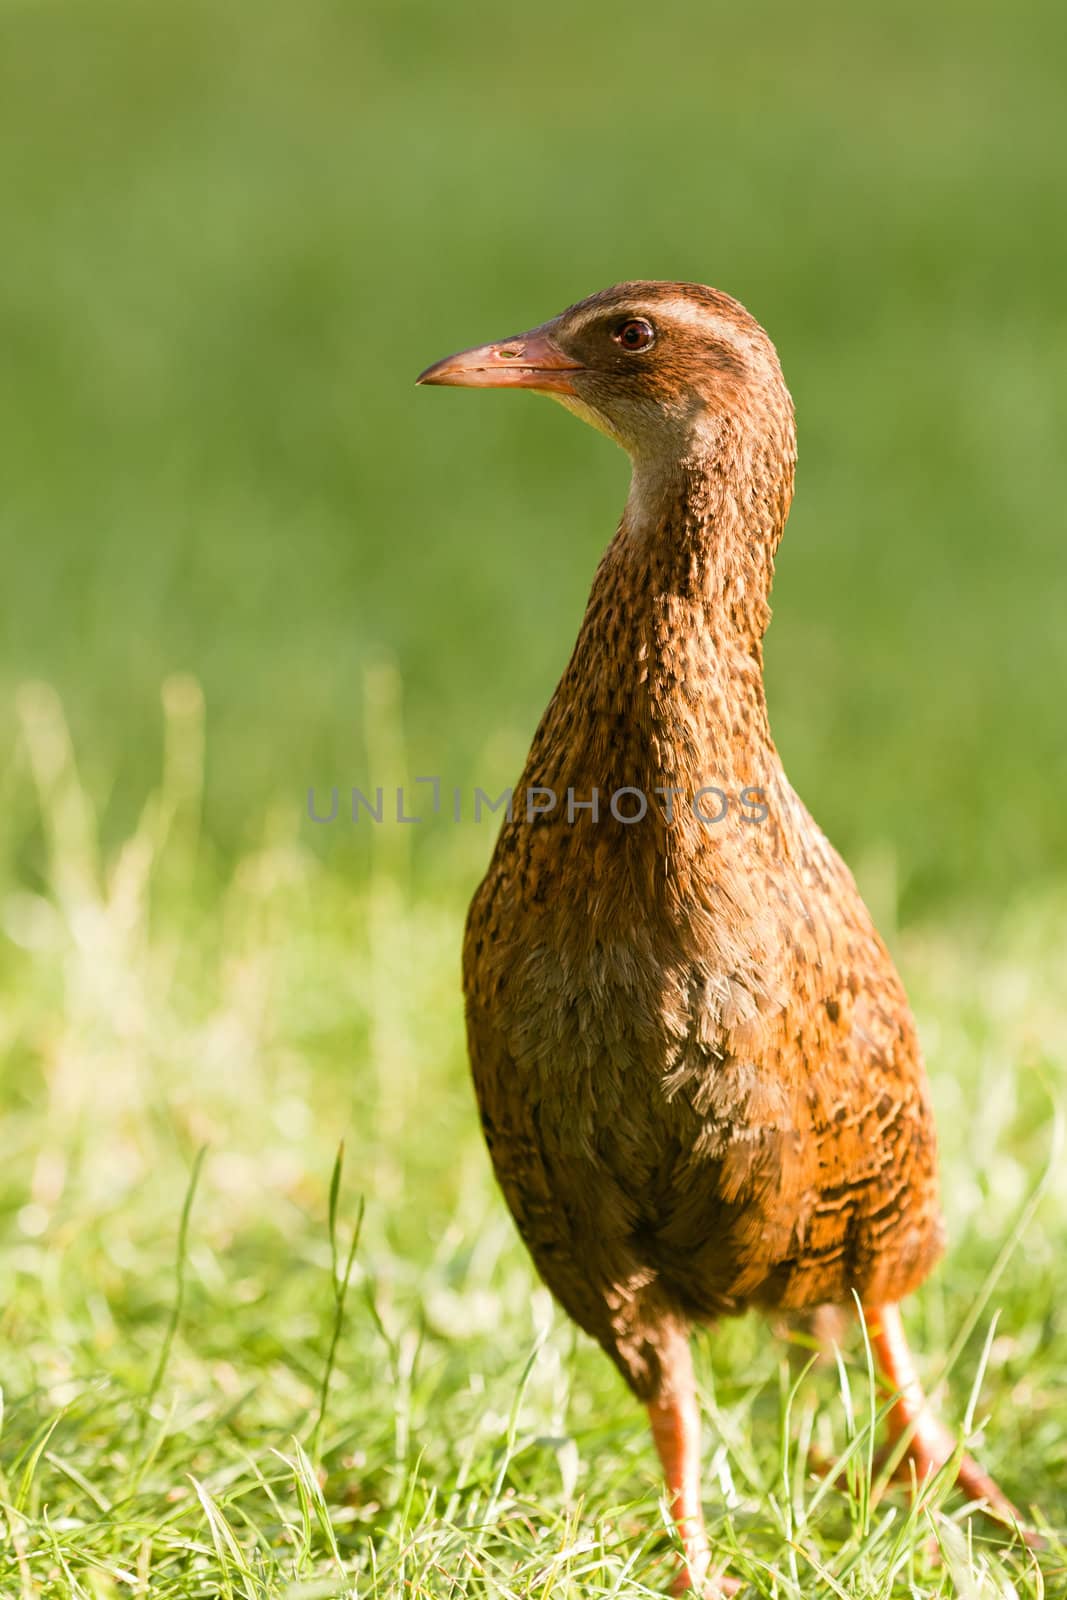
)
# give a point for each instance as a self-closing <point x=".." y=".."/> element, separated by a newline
<point x="233" y="234"/>
<point x="178" y="1420"/>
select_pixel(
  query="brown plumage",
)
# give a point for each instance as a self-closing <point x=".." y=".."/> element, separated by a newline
<point x="698" y="1074"/>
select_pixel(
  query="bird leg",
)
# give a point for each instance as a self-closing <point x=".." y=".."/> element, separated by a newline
<point x="929" y="1444"/>
<point x="675" y="1419"/>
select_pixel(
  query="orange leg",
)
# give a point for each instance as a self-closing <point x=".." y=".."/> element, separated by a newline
<point x="675" y="1420"/>
<point x="929" y="1443"/>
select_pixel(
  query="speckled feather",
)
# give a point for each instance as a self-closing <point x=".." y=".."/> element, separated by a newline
<point x="698" y="1075"/>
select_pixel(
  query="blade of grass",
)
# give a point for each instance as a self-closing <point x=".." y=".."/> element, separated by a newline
<point x="340" y="1283"/>
<point x="179" y="1291"/>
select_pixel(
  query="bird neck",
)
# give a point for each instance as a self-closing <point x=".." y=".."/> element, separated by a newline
<point x="667" y="673"/>
<point x="705" y="523"/>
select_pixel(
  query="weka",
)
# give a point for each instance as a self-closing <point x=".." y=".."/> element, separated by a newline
<point x="698" y="1075"/>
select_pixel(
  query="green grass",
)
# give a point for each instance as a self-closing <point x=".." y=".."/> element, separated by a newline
<point x="233" y="233"/>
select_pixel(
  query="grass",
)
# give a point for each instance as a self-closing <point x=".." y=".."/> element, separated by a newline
<point x="232" y="1363"/>
<point x="304" y="1377"/>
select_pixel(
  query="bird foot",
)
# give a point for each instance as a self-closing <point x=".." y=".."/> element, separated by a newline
<point x="929" y="1449"/>
<point x="692" y="1580"/>
<point x="932" y="1446"/>
<point x="929" y="1444"/>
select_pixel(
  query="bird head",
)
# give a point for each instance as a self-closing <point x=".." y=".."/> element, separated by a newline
<point x="659" y="367"/>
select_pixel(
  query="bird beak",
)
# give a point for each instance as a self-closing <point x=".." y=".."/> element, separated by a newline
<point x="529" y="361"/>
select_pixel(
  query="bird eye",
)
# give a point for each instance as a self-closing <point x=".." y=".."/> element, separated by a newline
<point x="635" y="334"/>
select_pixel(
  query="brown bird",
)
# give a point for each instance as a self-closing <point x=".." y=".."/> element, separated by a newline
<point x="698" y="1074"/>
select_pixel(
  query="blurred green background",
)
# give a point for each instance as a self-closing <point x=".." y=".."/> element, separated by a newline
<point x="234" y="233"/>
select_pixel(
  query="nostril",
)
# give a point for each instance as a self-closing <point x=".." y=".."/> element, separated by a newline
<point x="511" y="352"/>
